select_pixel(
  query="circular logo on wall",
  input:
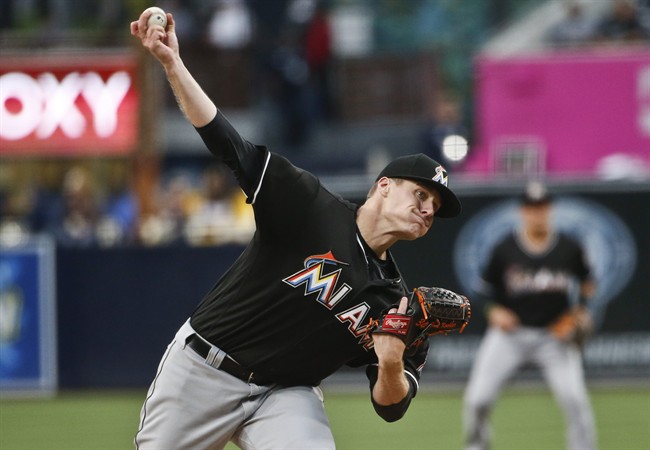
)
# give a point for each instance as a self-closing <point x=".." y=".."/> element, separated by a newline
<point x="607" y="241"/>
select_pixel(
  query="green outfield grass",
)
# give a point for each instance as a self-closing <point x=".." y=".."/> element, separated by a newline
<point x="523" y="420"/>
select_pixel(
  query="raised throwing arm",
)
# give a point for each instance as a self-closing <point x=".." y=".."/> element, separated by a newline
<point x="162" y="43"/>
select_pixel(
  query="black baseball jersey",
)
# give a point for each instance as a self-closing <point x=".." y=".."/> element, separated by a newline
<point x="295" y="304"/>
<point x="537" y="288"/>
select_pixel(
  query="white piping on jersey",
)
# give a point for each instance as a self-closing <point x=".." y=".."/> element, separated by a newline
<point x="365" y="255"/>
<point x="362" y="249"/>
<point x="259" y="186"/>
<point x="417" y="384"/>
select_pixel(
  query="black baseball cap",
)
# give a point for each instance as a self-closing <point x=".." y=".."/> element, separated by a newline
<point x="419" y="167"/>
<point x="535" y="194"/>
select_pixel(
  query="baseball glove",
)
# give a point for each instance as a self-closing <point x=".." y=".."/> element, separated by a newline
<point x="573" y="326"/>
<point x="431" y="310"/>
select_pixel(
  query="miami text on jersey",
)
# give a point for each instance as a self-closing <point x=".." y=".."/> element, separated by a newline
<point x="324" y="284"/>
<point x="519" y="280"/>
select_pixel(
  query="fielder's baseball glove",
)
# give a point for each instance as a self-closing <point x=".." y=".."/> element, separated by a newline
<point x="573" y="326"/>
<point x="431" y="310"/>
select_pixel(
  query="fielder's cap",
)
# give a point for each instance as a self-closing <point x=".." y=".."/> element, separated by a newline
<point x="421" y="168"/>
<point x="535" y="193"/>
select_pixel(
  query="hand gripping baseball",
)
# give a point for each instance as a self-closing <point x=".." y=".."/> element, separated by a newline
<point x="161" y="41"/>
<point x="431" y="310"/>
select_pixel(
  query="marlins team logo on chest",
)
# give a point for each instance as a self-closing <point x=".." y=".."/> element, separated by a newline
<point x="317" y="280"/>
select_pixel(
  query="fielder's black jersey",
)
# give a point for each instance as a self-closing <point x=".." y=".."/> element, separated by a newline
<point x="295" y="304"/>
<point x="537" y="287"/>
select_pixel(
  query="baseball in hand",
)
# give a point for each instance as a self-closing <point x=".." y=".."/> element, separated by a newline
<point x="157" y="17"/>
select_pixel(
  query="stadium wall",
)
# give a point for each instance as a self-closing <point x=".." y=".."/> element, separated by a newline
<point x="118" y="309"/>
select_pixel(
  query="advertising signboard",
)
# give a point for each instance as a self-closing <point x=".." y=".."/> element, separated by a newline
<point x="28" y="361"/>
<point x="68" y="104"/>
<point x="573" y="112"/>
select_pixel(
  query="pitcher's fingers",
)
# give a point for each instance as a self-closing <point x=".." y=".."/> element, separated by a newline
<point x="403" y="305"/>
<point x="171" y="25"/>
<point x="142" y="21"/>
<point x="401" y="308"/>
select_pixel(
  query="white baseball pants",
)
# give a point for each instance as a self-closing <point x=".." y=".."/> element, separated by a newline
<point x="192" y="405"/>
<point x="500" y="355"/>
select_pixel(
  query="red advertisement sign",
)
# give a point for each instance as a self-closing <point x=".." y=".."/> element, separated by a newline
<point x="68" y="104"/>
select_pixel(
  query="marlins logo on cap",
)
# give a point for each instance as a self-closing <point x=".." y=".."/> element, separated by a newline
<point x="535" y="193"/>
<point x="421" y="168"/>
<point x="441" y="176"/>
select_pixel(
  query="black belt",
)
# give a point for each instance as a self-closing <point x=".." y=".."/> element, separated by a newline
<point x="228" y="365"/>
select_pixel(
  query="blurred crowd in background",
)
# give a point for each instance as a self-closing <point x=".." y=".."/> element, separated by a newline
<point x="83" y="210"/>
<point x="291" y="48"/>
<point x="626" y="21"/>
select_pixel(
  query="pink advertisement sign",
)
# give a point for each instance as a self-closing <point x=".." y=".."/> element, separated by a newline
<point x="567" y="113"/>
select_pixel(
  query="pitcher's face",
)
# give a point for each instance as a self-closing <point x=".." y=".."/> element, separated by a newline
<point x="410" y="207"/>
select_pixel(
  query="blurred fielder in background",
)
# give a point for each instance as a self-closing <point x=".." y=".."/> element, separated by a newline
<point x="530" y="282"/>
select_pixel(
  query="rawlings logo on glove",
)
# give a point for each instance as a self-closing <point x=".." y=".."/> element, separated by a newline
<point x="395" y="324"/>
<point x="431" y="310"/>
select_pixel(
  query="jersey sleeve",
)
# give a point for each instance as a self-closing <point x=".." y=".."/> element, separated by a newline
<point x="281" y="193"/>
<point x="489" y="280"/>
<point x="581" y="264"/>
<point x="285" y="197"/>
<point x="246" y="160"/>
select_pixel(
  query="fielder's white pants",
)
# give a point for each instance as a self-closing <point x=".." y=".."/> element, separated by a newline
<point x="499" y="357"/>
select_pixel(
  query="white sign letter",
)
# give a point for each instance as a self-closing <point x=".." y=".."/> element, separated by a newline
<point x="25" y="90"/>
<point x="105" y="99"/>
<point x="60" y="109"/>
